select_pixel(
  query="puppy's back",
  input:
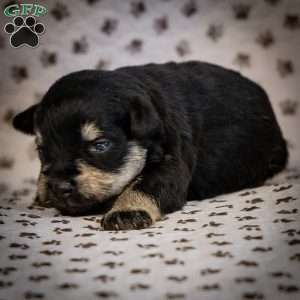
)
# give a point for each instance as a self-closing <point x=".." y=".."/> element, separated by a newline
<point x="230" y="119"/>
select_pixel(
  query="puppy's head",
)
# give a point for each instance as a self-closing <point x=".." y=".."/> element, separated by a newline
<point x="94" y="134"/>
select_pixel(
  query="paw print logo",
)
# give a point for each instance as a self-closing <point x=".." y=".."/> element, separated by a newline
<point x="24" y="31"/>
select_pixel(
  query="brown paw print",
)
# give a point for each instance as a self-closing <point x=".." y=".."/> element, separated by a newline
<point x="109" y="26"/>
<point x="265" y="39"/>
<point x="48" y="58"/>
<point x="210" y="287"/>
<point x="247" y="263"/>
<point x="6" y="162"/>
<point x="288" y="289"/>
<point x="210" y="271"/>
<point x="291" y="21"/>
<point x="60" y="11"/>
<point x="189" y="8"/>
<point x="262" y="249"/>
<point x="183" y="48"/>
<point x="241" y="11"/>
<point x="253" y="296"/>
<point x="33" y="295"/>
<point x="139" y="286"/>
<point x="295" y="257"/>
<point x="289" y="107"/>
<point x="135" y="46"/>
<point x="242" y="60"/>
<point x="19" y="73"/>
<point x="67" y="286"/>
<point x="137" y="8"/>
<point x="161" y="24"/>
<point x="215" y="32"/>
<point x="80" y="46"/>
<point x="285" y="67"/>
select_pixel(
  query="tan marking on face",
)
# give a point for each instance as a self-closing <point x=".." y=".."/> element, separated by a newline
<point x="92" y="182"/>
<point x="42" y="195"/>
<point x="99" y="185"/>
<point x="90" y="131"/>
<point x="131" y="200"/>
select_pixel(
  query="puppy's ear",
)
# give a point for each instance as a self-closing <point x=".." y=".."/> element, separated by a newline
<point x="144" y="119"/>
<point x="24" y="121"/>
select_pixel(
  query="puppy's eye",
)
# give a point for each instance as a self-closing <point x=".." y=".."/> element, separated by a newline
<point x="101" y="146"/>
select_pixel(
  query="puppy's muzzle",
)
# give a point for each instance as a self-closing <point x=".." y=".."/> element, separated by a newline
<point x="65" y="198"/>
<point x="62" y="189"/>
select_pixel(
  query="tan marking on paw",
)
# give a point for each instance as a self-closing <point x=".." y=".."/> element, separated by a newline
<point x="42" y="197"/>
<point x="135" y="200"/>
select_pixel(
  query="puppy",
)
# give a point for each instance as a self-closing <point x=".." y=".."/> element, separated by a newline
<point x="148" y="138"/>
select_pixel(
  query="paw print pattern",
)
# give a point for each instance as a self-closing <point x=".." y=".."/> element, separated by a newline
<point x="6" y="162"/>
<point x="289" y="107"/>
<point x="241" y="11"/>
<point x="109" y="26"/>
<point x="135" y="46"/>
<point x="19" y="73"/>
<point x="189" y="8"/>
<point x="60" y="11"/>
<point x="48" y="58"/>
<point x="58" y="238"/>
<point x="285" y="67"/>
<point x="265" y="39"/>
<point x="161" y="24"/>
<point x="292" y="21"/>
<point x="138" y="8"/>
<point x="99" y="35"/>
<point x="80" y="45"/>
<point x="24" y="32"/>
<point x="183" y="48"/>
<point x="242" y="60"/>
<point x="215" y="32"/>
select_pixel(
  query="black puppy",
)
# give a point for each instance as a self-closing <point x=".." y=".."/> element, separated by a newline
<point x="148" y="138"/>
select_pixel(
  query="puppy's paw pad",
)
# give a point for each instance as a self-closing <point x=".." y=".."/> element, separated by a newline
<point x="126" y="220"/>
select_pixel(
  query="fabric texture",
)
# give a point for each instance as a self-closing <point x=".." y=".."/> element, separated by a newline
<point x="244" y="245"/>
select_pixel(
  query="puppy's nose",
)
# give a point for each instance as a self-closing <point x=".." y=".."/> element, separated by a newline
<point x="63" y="188"/>
<point x="66" y="188"/>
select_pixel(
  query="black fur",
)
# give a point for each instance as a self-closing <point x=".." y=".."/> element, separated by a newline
<point x="208" y="130"/>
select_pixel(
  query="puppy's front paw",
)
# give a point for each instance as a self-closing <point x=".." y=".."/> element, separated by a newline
<point x="42" y="202"/>
<point x="126" y="220"/>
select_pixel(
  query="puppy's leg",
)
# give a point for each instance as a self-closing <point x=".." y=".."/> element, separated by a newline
<point x="41" y="198"/>
<point x="157" y="192"/>
<point x="133" y="209"/>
